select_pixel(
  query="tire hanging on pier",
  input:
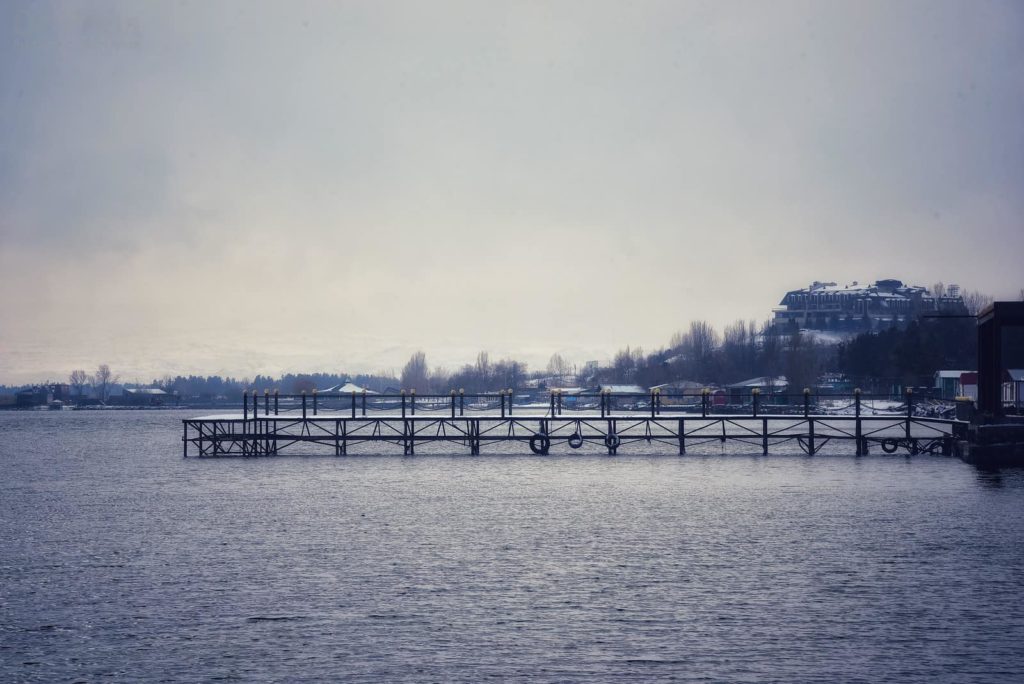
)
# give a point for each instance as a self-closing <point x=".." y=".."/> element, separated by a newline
<point x="890" y="446"/>
<point x="540" y="443"/>
<point x="612" y="441"/>
<point x="575" y="440"/>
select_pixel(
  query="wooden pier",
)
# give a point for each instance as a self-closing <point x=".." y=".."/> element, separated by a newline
<point x="335" y="424"/>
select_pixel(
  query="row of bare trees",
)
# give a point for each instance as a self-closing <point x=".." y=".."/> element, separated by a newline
<point x="744" y="350"/>
<point x="101" y="381"/>
<point x="483" y="375"/>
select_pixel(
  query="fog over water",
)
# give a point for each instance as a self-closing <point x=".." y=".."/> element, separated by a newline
<point x="252" y="187"/>
<point x="124" y="562"/>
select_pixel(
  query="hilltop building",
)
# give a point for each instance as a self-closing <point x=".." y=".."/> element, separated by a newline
<point x="856" y="307"/>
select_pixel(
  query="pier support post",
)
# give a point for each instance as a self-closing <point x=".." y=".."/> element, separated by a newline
<point x="453" y="403"/>
<point x="910" y="411"/>
<point x="810" y="436"/>
<point x="510" y="395"/>
<point x="403" y="403"/>
<point x="275" y="402"/>
<point x="314" y="400"/>
<point x="245" y="406"/>
<point x="764" y="436"/>
<point x="551" y="402"/>
<point x="364" y="402"/>
<point x="682" y="436"/>
<point x="353" y="404"/>
<point x="412" y="400"/>
<point x="858" y="431"/>
<point x="303" y="404"/>
<point x="408" y="440"/>
<point x="462" y="402"/>
<point x="266" y="402"/>
<point x="704" y="402"/>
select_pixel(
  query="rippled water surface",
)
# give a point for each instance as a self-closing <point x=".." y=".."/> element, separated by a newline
<point x="121" y="561"/>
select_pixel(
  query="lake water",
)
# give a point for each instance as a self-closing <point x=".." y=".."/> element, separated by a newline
<point x="121" y="561"/>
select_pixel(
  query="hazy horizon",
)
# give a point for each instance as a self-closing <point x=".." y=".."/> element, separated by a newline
<point x="242" y="188"/>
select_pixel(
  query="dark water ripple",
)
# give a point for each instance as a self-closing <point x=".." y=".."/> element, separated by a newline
<point x="119" y="561"/>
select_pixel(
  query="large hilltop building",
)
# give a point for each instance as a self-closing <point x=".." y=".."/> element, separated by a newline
<point x="856" y="307"/>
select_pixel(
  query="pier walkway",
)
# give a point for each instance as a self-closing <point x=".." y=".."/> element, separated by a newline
<point x="334" y="424"/>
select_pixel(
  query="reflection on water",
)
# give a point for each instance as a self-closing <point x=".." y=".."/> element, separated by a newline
<point x="123" y="561"/>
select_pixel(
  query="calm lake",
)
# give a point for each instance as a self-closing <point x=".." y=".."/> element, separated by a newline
<point x="121" y="561"/>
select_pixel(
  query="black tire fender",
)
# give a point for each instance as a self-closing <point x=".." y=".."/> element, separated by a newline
<point x="612" y="441"/>
<point x="890" y="446"/>
<point x="575" y="440"/>
<point x="540" y="443"/>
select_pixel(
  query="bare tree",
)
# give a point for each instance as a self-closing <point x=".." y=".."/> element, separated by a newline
<point x="939" y="290"/>
<point x="483" y="370"/>
<point x="804" y="362"/>
<point x="510" y="373"/>
<point x="558" y="366"/>
<point x="624" y="365"/>
<point x="975" y="301"/>
<point x="698" y="347"/>
<point x="301" y="385"/>
<point x="78" y="378"/>
<point x="415" y="374"/>
<point x="103" y="379"/>
<point x="440" y="380"/>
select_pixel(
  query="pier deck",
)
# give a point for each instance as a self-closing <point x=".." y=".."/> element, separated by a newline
<point x="317" y="427"/>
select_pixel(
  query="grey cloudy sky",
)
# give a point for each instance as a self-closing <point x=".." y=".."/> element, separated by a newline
<point x="243" y="187"/>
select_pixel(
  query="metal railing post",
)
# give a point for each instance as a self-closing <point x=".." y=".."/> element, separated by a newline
<point x="453" y="402"/>
<point x="757" y="395"/>
<point x="353" y="403"/>
<point x="462" y="402"/>
<point x="412" y="400"/>
<point x="303" y="404"/>
<point x="807" y="401"/>
<point x="314" y="401"/>
<point x="403" y="403"/>
<point x="245" y="405"/>
<point x="275" y="401"/>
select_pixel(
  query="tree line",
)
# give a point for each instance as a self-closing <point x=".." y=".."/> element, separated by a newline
<point x="907" y="354"/>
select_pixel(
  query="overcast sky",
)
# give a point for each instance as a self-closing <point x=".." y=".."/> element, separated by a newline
<point x="243" y="187"/>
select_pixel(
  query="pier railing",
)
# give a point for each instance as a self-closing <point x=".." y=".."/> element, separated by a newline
<point x="504" y="403"/>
